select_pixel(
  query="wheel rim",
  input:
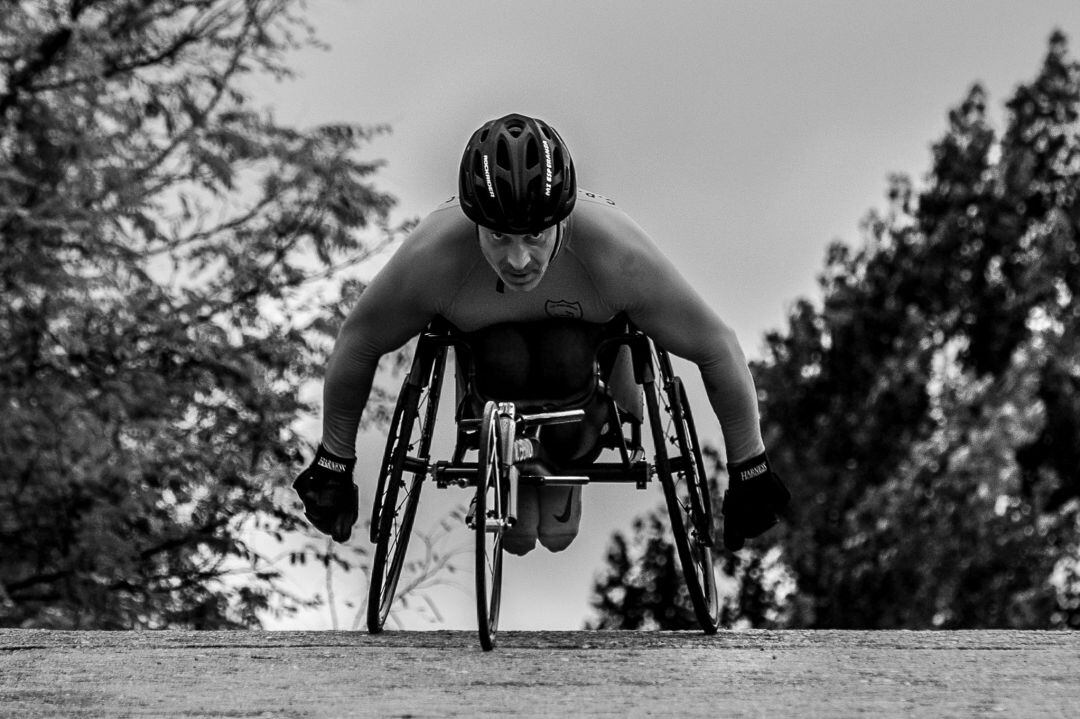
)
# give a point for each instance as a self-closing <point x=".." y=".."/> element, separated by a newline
<point x="398" y="534"/>
<point x="411" y="434"/>
<point x="698" y="512"/>
<point x="697" y="508"/>
<point x="680" y="480"/>
<point x="488" y="525"/>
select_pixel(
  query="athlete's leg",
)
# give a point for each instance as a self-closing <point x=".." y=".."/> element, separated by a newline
<point x="560" y="516"/>
<point x="622" y="387"/>
<point x="521" y="538"/>
<point x="576" y="442"/>
<point x="547" y="360"/>
<point x="564" y="353"/>
<point x="500" y="355"/>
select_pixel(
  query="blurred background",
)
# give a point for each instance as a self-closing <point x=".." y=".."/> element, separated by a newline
<point x="881" y="199"/>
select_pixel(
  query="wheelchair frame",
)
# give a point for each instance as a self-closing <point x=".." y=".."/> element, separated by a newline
<point x="406" y="465"/>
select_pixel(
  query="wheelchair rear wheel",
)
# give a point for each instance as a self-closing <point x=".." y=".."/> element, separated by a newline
<point x="401" y="478"/>
<point x="489" y="522"/>
<point x="686" y="491"/>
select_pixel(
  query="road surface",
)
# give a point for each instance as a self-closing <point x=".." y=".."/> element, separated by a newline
<point x="598" y="674"/>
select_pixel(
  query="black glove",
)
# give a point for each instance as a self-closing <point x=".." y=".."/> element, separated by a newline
<point x="753" y="502"/>
<point x="331" y="499"/>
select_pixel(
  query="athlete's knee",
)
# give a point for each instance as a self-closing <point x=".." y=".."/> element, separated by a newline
<point x="574" y="342"/>
<point x="558" y="540"/>
<point x="519" y="541"/>
<point x="566" y="354"/>
<point x="501" y="355"/>
<point x="576" y="441"/>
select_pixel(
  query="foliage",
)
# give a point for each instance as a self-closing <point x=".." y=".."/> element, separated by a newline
<point x="642" y="585"/>
<point x="926" y="413"/>
<point x="431" y="561"/>
<point x="160" y="239"/>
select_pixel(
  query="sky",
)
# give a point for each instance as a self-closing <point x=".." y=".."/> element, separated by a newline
<point x="744" y="137"/>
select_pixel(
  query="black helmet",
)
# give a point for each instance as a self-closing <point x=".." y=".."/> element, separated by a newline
<point x="516" y="176"/>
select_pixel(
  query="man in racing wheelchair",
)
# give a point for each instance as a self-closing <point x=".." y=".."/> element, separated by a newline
<point x="531" y="267"/>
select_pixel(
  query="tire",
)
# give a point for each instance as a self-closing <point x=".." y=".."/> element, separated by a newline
<point x="686" y="492"/>
<point x="401" y="477"/>
<point x="488" y="523"/>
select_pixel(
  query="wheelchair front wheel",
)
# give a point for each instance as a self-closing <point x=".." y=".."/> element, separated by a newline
<point x="489" y="522"/>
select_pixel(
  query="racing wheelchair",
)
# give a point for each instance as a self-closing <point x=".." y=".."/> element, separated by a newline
<point x="483" y="460"/>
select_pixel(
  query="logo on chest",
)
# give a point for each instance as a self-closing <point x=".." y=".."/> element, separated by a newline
<point x="563" y="309"/>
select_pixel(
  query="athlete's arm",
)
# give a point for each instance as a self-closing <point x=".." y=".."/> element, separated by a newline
<point x="395" y="307"/>
<point x="662" y="303"/>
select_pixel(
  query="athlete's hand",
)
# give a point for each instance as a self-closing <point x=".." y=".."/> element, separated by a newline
<point x="331" y="499"/>
<point x="754" y="500"/>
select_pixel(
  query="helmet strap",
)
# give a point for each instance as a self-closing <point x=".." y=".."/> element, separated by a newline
<point x="558" y="242"/>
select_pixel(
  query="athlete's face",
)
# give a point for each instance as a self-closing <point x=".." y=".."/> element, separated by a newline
<point x="520" y="261"/>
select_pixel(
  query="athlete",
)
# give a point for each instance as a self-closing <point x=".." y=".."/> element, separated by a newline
<point x="532" y="267"/>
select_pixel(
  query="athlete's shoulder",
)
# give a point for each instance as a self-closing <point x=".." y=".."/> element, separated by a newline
<point x="431" y="262"/>
<point x="601" y="224"/>
<point x="445" y="230"/>
<point x="616" y="251"/>
<point x="438" y="252"/>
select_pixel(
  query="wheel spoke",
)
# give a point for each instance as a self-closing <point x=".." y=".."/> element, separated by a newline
<point x="398" y="490"/>
<point x="685" y="486"/>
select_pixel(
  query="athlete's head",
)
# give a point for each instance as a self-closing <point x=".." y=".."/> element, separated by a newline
<point x="517" y="184"/>
<point x="516" y="176"/>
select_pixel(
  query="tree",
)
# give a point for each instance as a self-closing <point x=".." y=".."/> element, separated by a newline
<point x="925" y="409"/>
<point x="162" y="244"/>
<point x="642" y="586"/>
<point x="926" y="412"/>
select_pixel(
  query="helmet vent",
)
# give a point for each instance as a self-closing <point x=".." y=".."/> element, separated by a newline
<point x="561" y="164"/>
<point x="502" y="188"/>
<point x="532" y="155"/>
<point x="502" y="156"/>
